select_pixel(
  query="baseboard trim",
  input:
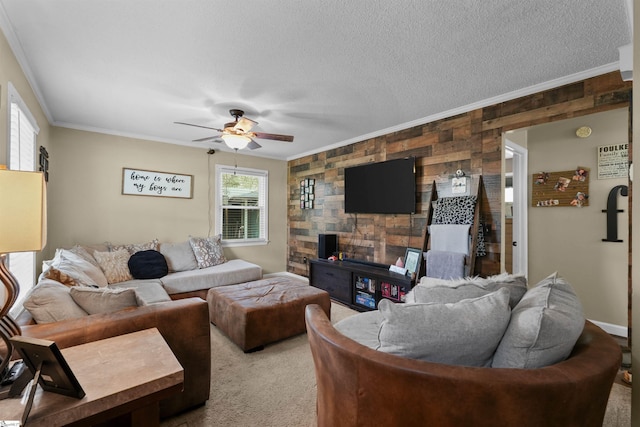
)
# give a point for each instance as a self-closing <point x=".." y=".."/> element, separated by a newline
<point x="286" y="273"/>
<point x="617" y="330"/>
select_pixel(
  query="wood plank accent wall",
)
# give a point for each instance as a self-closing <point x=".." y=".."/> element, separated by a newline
<point x="471" y="141"/>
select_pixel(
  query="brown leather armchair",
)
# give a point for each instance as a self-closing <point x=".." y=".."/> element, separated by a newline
<point x="358" y="386"/>
<point x="184" y="324"/>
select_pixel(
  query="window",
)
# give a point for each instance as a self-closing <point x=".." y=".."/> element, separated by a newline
<point x="241" y="205"/>
<point x="22" y="156"/>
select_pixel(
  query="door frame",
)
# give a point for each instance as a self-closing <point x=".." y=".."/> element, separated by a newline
<point x="520" y="206"/>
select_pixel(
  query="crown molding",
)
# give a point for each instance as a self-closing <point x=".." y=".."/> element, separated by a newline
<point x="530" y="90"/>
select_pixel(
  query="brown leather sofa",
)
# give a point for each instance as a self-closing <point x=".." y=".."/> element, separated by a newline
<point x="359" y="386"/>
<point x="183" y="323"/>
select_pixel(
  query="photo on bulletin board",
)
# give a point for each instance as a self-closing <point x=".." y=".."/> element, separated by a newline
<point x="561" y="189"/>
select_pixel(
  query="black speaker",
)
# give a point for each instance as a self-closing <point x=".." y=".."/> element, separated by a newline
<point x="327" y="245"/>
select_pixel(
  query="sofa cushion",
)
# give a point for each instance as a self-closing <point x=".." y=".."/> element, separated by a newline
<point x="50" y="301"/>
<point x="464" y="333"/>
<point x="208" y="251"/>
<point x="132" y="248"/>
<point x="544" y="326"/>
<point x="147" y="291"/>
<point x="71" y="269"/>
<point x="179" y="256"/>
<point x="114" y="265"/>
<point x="147" y="264"/>
<point x="444" y="291"/>
<point x="103" y="300"/>
<point x="362" y="328"/>
<point x="231" y="272"/>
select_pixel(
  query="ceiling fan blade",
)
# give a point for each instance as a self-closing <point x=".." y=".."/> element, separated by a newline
<point x="209" y="138"/>
<point x="244" y="124"/>
<point x="198" y="126"/>
<point x="276" y="137"/>
<point x="253" y="145"/>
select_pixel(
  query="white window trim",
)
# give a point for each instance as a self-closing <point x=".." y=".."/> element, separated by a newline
<point x="220" y="169"/>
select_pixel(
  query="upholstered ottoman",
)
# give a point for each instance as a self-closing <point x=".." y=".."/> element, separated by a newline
<point x="256" y="313"/>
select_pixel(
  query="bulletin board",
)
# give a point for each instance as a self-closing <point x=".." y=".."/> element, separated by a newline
<point x="561" y="189"/>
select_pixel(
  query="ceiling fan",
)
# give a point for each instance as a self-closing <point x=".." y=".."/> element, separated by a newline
<point x="238" y="134"/>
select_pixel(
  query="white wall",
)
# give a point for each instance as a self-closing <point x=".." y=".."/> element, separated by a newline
<point x="569" y="239"/>
<point x="86" y="205"/>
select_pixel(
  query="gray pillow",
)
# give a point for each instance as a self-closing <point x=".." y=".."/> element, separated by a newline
<point x="148" y="292"/>
<point x="362" y="328"/>
<point x="50" y="301"/>
<point x="179" y="256"/>
<point x="447" y="291"/>
<point x="100" y="300"/>
<point x="464" y="333"/>
<point x="544" y="327"/>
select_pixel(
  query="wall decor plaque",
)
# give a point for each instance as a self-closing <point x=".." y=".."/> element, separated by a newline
<point x="140" y="182"/>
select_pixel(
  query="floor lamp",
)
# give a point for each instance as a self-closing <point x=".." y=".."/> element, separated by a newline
<point x="23" y="228"/>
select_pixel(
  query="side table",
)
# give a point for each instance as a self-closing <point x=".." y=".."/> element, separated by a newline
<point x="124" y="378"/>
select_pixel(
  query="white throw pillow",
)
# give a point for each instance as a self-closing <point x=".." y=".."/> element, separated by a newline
<point x="464" y="333"/>
<point x="72" y="269"/>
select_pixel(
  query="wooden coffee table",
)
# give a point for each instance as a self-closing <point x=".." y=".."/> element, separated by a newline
<point x="124" y="378"/>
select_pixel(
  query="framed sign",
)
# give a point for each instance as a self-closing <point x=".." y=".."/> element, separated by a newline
<point x="139" y="182"/>
<point x="613" y="161"/>
<point x="412" y="261"/>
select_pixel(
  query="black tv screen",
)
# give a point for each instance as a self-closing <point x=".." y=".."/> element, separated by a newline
<point x="384" y="187"/>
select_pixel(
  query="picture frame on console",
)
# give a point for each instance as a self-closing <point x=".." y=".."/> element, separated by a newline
<point x="412" y="259"/>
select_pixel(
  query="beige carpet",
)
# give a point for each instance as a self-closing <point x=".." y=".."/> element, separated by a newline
<point x="276" y="386"/>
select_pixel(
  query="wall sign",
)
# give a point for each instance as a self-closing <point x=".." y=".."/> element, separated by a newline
<point x="139" y="182"/>
<point x="613" y="161"/>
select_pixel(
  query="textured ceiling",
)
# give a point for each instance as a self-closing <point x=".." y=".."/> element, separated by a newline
<point x="328" y="72"/>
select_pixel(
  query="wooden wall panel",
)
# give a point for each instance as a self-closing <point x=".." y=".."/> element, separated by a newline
<point x="471" y="141"/>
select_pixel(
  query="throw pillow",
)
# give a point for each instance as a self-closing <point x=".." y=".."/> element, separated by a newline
<point x="114" y="265"/>
<point x="72" y="270"/>
<point x="96" y="301"/>
<point x="50" y="301"/>
<point x="439" y="290"/>
<point x="544" y="326"/>
<point x="137" y="247"/>
<point x="208" y="251"/>
<point x="148" y="292"/>
<point x="464" y="333"/>
<point x="148" y="264"/>
<point x="179" y="256"/>
<point x="84" y="254"/>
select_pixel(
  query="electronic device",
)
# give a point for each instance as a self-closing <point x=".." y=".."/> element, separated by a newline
<point x="327" y="245"/>
<point x="384" y="187"/>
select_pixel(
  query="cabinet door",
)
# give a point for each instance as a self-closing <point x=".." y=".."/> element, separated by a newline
<point x="333" y="280"/>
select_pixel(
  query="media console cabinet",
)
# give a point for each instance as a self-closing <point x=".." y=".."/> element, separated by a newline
<point x="358" y="285"/>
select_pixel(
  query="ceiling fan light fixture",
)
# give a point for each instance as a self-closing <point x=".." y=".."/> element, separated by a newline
<point x="237" y="142"/>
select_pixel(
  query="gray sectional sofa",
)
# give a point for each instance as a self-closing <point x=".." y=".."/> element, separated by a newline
<point x="92" y="279"/>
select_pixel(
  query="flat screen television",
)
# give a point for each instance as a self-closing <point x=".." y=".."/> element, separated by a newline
<point x="384" y="187"/>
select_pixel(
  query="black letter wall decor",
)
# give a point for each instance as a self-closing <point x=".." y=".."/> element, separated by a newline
<point x="612" y="212"/>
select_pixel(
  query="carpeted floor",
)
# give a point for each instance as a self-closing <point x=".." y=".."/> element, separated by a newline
<point x="276" y="386"/>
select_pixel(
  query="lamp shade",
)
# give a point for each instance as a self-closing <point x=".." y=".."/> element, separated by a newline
<point x="237" y="142"/>
<point x="23" y="211"/>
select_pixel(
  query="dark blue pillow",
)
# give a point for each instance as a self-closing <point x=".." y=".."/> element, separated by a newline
<point x="148" y="265"/>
